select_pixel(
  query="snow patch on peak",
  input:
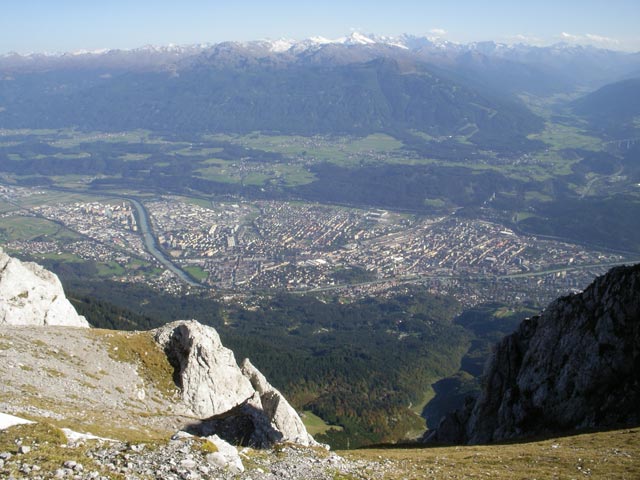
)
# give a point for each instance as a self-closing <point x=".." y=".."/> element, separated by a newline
<point x="100" y="51"/>
<point x="281" y="45"/>
<point x="356" y="38"/>
<point x="318" y="40"/>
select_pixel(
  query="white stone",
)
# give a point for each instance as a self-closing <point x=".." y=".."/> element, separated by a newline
<point x="211" y="381"/>
<point x="282" y="415"/>
<point x="226" y="457"/>
<point x="32" y="295"/>
<point x="212" y="384"/>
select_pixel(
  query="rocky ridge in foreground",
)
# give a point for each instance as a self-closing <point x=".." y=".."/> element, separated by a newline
<point x="39" y="451"/>
<point x="237" y="403"/>
<point x="574" y="366"/>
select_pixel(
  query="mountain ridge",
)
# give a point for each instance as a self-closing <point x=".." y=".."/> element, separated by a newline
<point x="230" y="91"/>
<point x="404" y="41"/>
<point x="613" y="109"/>
<point x="595" y="66"/>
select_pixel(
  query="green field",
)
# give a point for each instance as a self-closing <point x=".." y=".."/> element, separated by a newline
<point x="134" y="157"/>
<point x="196" y="272"/>
<point x="6" y="207"/>
<point x="26" y="228"/>
<point x="300" y="153"/>
<point x="49" y="197"/>
<point x="315" y="425"/>
<point x="226" y="171"/>
<point x="338" y="150"/>
<point x="560" y="136"/>
<point x="111" y="269"/>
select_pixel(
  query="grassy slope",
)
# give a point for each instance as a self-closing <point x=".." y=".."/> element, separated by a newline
<point x="612" y="455"/>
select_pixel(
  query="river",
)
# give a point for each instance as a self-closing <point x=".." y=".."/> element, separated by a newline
<point x="152" y="247"/>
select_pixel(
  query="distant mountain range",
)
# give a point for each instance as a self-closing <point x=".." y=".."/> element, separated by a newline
<point x="577" y="65"/>
<point x="353" y="85"/>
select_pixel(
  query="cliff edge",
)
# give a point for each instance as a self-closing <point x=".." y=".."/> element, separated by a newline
<point x="574" y="366"/>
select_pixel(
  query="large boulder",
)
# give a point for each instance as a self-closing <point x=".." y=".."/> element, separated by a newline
<point x="32" y="295"/>
<point x="205" y="371"/>
<point x="238" y="405"/>
<point x="281" y="414"/>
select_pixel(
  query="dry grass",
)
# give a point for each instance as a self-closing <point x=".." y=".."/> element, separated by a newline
<point x="140" y="349"/>
<point x="205" y="445"/>
<point x="103" y="423"/>
<point x="604" y="455"/>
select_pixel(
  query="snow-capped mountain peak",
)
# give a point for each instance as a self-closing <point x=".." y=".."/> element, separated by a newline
<point x="356" y="38"/>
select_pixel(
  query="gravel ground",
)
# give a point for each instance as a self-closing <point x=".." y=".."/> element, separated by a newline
<point x="64" y="373"/>
<point x="182" y="458"/>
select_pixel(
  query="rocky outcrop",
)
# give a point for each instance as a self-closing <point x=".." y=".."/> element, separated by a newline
<point x="32" y="295"/>
<point x="226" y="457"/>
<point x="281" y="414"/>
<point x="237" y="404"/>
<point x="576" y="365"/>
<point x="205" y="371"/>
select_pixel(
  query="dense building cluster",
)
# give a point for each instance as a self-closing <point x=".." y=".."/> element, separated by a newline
<point x="245" y="247"/>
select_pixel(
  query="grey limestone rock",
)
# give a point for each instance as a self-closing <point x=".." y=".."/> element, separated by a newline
<point x="282" y="415"/>
<point x="206" y="372"/>
<point x="226" y="457"/>
<point x="32" y="295"/>
<point x="576" y="365"/>
<point x="237" y="404"/>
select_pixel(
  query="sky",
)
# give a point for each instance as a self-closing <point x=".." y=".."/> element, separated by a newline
<point x="72" y="25"/>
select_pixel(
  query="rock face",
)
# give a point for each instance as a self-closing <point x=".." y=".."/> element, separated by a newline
<point x="237" y="404"/>
<point x="206" y="371"/>
<point x="577" y="365"/>
<point x="31" y="295"/>
<point x="283" y="416"/>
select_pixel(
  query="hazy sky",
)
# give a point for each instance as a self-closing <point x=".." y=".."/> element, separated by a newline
<point x="70" y="25"/>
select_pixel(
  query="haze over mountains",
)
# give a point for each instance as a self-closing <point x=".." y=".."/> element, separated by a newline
<point x="571" y="64"/>
<point x="357" y="84"/>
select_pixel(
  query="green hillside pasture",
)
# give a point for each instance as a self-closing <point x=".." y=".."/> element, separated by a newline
<point x="610" y="455"/>
<point x="226" y="171"/>
<point x="340" y="150"/>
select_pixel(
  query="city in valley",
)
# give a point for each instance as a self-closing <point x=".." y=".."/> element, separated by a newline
<point x="241" y="247"/>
